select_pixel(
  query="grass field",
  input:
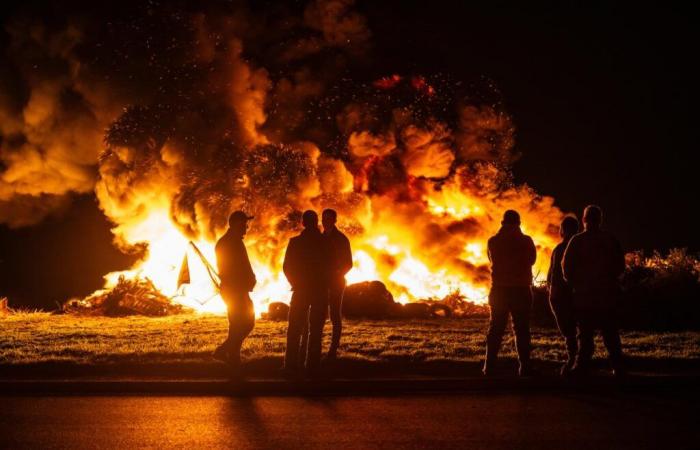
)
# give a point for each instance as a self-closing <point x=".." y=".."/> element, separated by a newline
<point x="43" y="341"/>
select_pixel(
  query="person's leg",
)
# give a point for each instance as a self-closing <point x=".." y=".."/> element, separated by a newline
<point x="611" y="339"/>
<point x="586" y="330"/>
<point x="562" y="309"/>
<point x="241" y="326"/>
<point x="304" y="344"/>
<point x="569" y="331"/>
<point x="223" y="351"/>
<point x="335" y="301"/>
<point x="297" y="314"/>
<point x="520" y="303"/>
<point x="497" y="326"/>
<point x="317" y="319"/>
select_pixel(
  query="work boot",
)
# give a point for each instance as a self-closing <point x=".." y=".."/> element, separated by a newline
<point x="565" y="370"/>
<point x="620" y="373"/>
<point x="488" y="369"/>
<point x="221" y="354"/>
<point x="579" y="371"/>
<point x="316" y="374"/>
<point x="290" y="374"/>
<point x="527" y="371"/>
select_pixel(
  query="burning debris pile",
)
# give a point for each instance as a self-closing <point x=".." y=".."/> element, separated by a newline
<point x="128" y="297"/>
<point x="229" y="108"/>
<point x="371" y="299"/>
<point x="4" y="308"/>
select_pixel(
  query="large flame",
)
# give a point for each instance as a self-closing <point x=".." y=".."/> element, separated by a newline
<point x="387" y="250"/>
<point x="209" y="109"/>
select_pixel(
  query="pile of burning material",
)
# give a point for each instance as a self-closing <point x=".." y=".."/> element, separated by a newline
<point x="276" y="311"/>
<point x="372" y="300"/>
<point x="461" y="307"/>
<point x="4" y="308"/>
<point x="128" y="297"/>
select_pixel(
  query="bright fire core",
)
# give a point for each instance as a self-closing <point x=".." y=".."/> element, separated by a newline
<point x="390" y="249"/>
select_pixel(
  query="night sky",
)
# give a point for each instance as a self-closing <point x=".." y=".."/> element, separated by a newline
<point x="602" y="98"/>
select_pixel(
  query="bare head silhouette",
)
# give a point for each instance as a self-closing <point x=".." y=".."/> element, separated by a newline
<point x="238" y="222"/>
<point x="568" y="227"/>
<point x="592" y="217"/>
<point x="328" y="218"/>
<point x="309" y="219"/>
<point x="511" y="217"/>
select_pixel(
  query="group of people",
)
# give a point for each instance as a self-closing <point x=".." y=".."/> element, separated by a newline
<point x="315" y="264"/>
<point x="583" y="286"/>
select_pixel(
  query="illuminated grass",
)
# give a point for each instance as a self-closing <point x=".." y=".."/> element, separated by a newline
<point x="40" y="338"/>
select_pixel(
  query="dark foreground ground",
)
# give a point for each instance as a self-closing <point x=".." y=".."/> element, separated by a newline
<point x="537" y="420"/>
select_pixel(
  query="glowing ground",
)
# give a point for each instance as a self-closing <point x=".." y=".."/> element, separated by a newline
<point x="28" y="339"/>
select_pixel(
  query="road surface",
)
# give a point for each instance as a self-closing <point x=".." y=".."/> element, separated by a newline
<point x="469" y="421"/>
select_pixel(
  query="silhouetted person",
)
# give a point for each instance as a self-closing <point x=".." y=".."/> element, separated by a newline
<point x="561" y="295"/>
<point x="339" y="264"/>
<point x="512" y="255"/>
<point x="593" y="262"/>
<point x="306" y="268"/>
<point x="237" y="280"/>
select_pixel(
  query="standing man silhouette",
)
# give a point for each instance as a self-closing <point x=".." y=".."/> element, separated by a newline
<point x="592" y="264"/>
<point x="340" y="263"/>
<point x="237" y="280"/>
<point x="512" y="255"/>
<point x="561" y="295"/>
<point x="306" y="268"/>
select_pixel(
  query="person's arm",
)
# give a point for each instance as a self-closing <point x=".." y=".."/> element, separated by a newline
<point x="251" y="281"/>
<point x="532" y="252"/>
<point x="346" y="257"/>
<point x="568" y="261"/>
<point x="289" y="265"/>
<point x="550" y="272"/>
<point x="619" y="262"/>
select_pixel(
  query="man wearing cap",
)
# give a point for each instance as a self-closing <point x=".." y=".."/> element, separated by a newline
<point x="237" y="280"/>
<point x="512" y="255"/>
<point x="592" y="264"/>
<point x="306" y="266"/>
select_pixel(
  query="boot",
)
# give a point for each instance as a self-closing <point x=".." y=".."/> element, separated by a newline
<point x="526" y="370"/>
<point x="221" y="353"/>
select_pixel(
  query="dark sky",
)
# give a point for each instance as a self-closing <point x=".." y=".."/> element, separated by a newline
<point x="602" y="97"/>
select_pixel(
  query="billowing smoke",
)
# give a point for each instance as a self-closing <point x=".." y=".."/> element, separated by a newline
<point x="195" y="113"/>
<point x="51" y="123"/>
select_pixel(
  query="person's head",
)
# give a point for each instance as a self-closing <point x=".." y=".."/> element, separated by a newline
<point x="238" y="222"/>
<point x="511" y="217"/>
<point x="592" y="217"/>
<point x="309" y="219"/>
<point x="328" y="218"/>
<point x="568" y="227"/>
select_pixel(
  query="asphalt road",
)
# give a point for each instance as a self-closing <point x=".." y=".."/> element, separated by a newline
<point x="473" y="421"/>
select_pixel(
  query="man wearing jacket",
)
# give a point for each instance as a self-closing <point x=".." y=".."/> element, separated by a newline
<point x="512" y="255"/>
<point x="306" y="268"/>
<point x="340" y="263"/>
<point x="237" y="280"/>
<point x="561" y="295"/>
<point x="592" y="264"/>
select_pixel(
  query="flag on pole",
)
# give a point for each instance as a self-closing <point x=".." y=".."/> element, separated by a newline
<point x="184" y="277"/>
